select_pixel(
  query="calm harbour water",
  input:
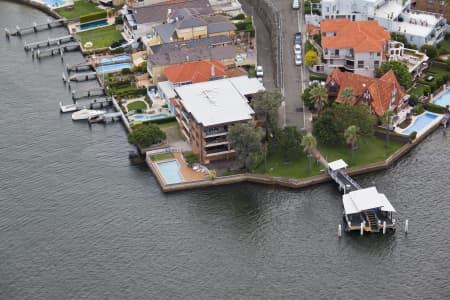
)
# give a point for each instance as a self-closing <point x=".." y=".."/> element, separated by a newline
<point x="78" y="221"/>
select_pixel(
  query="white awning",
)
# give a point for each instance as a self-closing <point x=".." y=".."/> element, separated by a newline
<point x="337" y="165"/>
<point x="365" y="199"/>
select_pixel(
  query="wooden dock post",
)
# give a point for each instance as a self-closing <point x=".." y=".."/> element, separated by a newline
<point x="339" y="230"/>
<point x="7" y="33"/>
<point x="38" y="54"/>
<point x="361" y="232"/>
<point x="406" y="226"/>
<point x="35" y="27"/>
<point x="384" y="227"/>
<point x="18" y="30"/>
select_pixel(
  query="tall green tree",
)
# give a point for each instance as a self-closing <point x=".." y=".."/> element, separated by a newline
<point x="146" y="135"/>
<point x="400" y="70"/>
<point x="309" y="144"/>
<point x="319" y="97"/>
<point x="287" y="141"/>
<point x="266" y="106"/>
<point x="386" y="120"/>
<point x="245" y="139"/>
<point x="347" y="96"/>
<point x="430" y="50"/>
<point x="351" y="137"/>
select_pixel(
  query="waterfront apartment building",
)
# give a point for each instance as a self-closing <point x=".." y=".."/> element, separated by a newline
<point x="359" y="47"/>
<point x="419" y="27"/>
<point x="207" y="110"/>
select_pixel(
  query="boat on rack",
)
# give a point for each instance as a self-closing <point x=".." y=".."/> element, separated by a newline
<point x="85" y="114"/>
<point x="68" y="107"/>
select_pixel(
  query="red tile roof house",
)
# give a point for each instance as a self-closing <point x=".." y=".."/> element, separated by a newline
<point x="356" y="46"/>
<point x="381" y="94"/>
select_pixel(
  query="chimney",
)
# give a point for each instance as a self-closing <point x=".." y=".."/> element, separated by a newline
<point x="187" y="57"/>
<point x="213" y="72"/>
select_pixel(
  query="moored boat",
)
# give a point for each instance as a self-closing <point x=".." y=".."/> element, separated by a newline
<point x="85" y="114"/>
<point x="68" y="107"/>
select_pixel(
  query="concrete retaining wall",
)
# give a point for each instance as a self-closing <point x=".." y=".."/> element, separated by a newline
<point x="40" y="6"/>
<point x="287" y="182"/>
<point x="271" y="18"/>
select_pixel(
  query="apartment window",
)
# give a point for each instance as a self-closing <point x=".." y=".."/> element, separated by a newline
<point x="360" y="64"/>
<point x="371" y="54"/>
<point x="378" y="53"/>
<point x="336" y="52"/>
<point x="376" y="64"/>
<point x="331" y="61"/>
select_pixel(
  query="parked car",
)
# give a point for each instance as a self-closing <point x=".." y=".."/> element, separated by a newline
<point x="298" y="60"/>
<point x="298" y="38"/>
<point x="295" y="4"/>
<point x="259" y="71"/>
<point x="297" y="49"/>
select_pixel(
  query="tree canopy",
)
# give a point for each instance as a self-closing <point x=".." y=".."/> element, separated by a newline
<point x="146" y="135"/>
<point x="347" y="95"/>
<point x="400" y="70"/>
<point x="319" y="97"/>
<point x="287" y="141"/>
<point x="430" y="50"/>
<point x="266" y="105"/>
<point x="311" y="58"/>
<point x="245" y="139"/>
<point x="330" y="126"/>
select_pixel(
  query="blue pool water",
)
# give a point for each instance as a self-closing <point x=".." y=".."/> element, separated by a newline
<point x="444" y="99"/>
<point x="112" y="68"/>
<point x="420" y="123"/>
<point x="54" y="2"/>
<point x="114" y="59"/>
<point x="170" y="171"/>
<point x="148" y="118"/>
<point x="93" y="24"/>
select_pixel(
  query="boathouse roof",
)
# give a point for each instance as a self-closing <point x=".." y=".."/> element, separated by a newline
<point x="365" y="199"/>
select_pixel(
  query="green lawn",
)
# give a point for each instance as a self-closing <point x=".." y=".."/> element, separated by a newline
<point x="369" y="151"/>
<point x="161" y="156"/>
<point x="137" y="105"/>
<point x="168" y="125"/>
<point x="278" y="167"/>
<point x="81" y="7"/>
<point x="100" y="38"/>
<point x="417" y="90"/>
<point x="444" y="47"/>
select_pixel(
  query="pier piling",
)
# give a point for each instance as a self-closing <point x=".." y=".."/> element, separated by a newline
<point x="7" y="33"/>
<point x="339" y="230"/>
<point x="406" y="226"/>
<point x="384" y="227"/>
<point x="361" y="232"/>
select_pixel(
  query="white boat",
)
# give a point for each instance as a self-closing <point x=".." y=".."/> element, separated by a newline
<point x="67" y="108"/>
<point x="85" y="114"/>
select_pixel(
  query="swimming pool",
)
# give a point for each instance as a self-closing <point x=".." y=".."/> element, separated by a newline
<point x="170" y="171"/>
<point x="115" y="59"/>
<point x="148" y="118"/>
<point x="420" y="123"/>
<point x="113" y="68"/>
<point x="93" y="24"/>
<point x="54" y="3"/>
<point x="444" y="99"/>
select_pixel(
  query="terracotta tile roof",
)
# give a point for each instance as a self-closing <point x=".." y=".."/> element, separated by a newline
<point x="311" y="29"/>
<point x="380" y="89"/>
<point x="198" y="71"/>
<point x="361" y="36"/>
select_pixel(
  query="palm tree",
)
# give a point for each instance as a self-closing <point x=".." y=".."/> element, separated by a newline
<point x="386" y="120"/>
<point x="309" y="144"/>
<point x="347" y="96"/>
<point x="351" y="137"/>
<point x="319" y="97"/>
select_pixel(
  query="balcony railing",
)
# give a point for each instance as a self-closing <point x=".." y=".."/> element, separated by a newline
<point x="211" y="133"/>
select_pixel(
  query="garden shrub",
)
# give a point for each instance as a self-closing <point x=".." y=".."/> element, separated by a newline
<point x="93" y="16"/>
<point x="435" y="108"/>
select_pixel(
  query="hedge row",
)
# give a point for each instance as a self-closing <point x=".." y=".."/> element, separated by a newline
<point x="318" y="77"/>
<point x="128" y="91"/>
<point x="435" y="108"/>
<point x="393" y="136"/>
<point x="93" y="16"/>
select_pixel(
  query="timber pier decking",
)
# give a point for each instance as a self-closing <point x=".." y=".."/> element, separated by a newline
<point x="49" y="42"/>
<point x="42" y="52"/>
<point x="85" y="66"/>
<point x="20" y="31"/>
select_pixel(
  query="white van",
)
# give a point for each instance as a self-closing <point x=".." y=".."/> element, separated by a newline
<point x="295" y="4"/>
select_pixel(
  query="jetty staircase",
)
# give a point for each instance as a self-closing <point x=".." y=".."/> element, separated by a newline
<point x="373" y="221"/>
<point x="345" y="182"/>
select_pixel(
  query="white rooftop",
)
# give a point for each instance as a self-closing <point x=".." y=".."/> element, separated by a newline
<point x="247" y="86"/>
<point x="413" y="29"/>
<point x="167" y="89"/>
<point x="364" y="199"/>
<point x="214" y="102"/>
<point x="389" y="9"/>
<point x="337" y="165"/>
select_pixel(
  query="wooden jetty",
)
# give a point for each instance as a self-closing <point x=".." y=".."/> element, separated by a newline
<point x="106" y="118"/>
<point x="20" y="31"/>
<point x="79" y="67"/>
<point x="42" y="52"/>
<point x="49" y="42"/>
<point x="365" y="209"/>
<point x="95" y="92"/>
<point x="83" y="76"/>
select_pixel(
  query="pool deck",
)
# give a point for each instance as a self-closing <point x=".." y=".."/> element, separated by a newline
<point x="189" y="175"/>
<point x="442" y="92"/>
<point x="425" y="129"/>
